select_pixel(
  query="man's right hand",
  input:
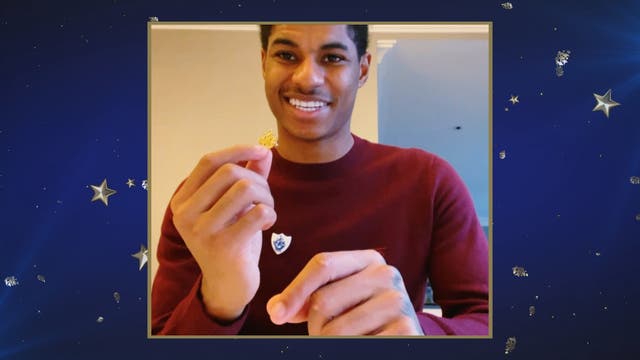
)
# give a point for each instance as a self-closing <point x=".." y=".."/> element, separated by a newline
<point x="220" y="212"/>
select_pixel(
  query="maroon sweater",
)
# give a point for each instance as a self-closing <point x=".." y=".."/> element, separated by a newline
<point x="408" y="204"/>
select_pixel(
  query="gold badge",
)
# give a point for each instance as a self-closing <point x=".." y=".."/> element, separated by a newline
<point x="268" y="139"/>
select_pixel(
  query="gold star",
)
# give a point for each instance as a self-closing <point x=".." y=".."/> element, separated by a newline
<point x="130" y="183"/>
<point x="142" y="256"/>
<point x="102" y="192"/>
<point x="514" y="99"/>
<point x="604" y="102"/>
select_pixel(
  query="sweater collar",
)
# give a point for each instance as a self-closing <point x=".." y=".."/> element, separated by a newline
<point x="320" y="171"/>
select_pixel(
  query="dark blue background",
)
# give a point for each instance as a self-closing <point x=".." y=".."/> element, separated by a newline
<point x="73" y="95"/>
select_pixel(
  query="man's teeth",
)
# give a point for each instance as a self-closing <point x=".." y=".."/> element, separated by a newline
<point x="307" y="105"/>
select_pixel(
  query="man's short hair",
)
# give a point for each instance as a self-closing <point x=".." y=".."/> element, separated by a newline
<point x="359" y="34"/>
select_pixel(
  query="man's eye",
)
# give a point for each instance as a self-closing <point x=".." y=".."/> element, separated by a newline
<point x="333" y="58"/>
<point x="285" y="56"/>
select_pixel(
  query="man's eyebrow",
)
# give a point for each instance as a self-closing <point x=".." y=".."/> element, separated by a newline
<point x="335" y="45"/>
<point x="328" y="46"/>
<point x="284" y="41"/>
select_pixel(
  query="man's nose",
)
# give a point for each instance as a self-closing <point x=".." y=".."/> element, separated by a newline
<point x="308" y="75"/>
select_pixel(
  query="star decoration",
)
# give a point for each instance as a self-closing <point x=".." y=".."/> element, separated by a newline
<point x="604" y="102"/>
<point x="562" y="58"/>
<point x="507" y="6"/>
<point x="102" y="192"/>
<point x="145" y="184"/>
<point x="514" y="99"/>
<point x="142" y="256"/>
<point x="11" y="281"/>
<point x="519" y="271"/>
<point x="130" y="183"/>
<point x="510" y="345"/>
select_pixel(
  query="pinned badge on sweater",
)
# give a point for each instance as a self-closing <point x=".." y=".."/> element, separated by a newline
<point x="280" y="243"/>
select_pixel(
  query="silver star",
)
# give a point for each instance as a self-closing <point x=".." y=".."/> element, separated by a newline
<point x="130" y="183"/>
<point x="142" y="256"/>
<point x="102" y="192"/>
<point x="514" y="99"/>
<point x="604" y="102"/>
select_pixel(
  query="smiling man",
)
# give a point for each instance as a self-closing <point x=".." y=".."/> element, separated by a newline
<point x="311" y="84"/>
<point x="368" y="223"/>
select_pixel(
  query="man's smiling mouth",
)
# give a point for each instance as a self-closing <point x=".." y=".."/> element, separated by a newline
<point x="308" y="106"/>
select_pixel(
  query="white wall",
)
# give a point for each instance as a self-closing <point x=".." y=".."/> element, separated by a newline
<point x="426" y="88"/>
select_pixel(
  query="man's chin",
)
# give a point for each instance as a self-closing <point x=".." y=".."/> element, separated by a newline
<point x="307" y="134"/>
<point x="310" y="137"/>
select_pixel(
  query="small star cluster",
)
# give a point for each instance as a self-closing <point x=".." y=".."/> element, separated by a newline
<point x="11" y="281"/>
<point x="519" y="271"/>
<point x="562" y="57"/>
<point x="510" y="345"/>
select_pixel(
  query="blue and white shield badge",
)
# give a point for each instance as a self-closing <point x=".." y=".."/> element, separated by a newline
<point x="280" y="243"/>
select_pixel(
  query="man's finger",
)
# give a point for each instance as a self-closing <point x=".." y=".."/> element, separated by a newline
<point x="320" y="270"/>
<point x="259" y="218"/>
<point x="333" y="300"/>
<point x="236" y="202"/>
<point x="219" y="184"/>
<point x="261" y="166"/>
<point x="209" y="163"/>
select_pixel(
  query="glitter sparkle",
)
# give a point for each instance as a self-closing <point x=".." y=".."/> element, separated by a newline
<point x="510" y="345"/>
<point x="519" y="271"/>
<point x="11" y="281"/>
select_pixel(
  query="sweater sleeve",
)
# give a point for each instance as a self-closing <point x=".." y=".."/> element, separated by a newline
<point x="458" y="266"/>
<point x="176" y="303"/>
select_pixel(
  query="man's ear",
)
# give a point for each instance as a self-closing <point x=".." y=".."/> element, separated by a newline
<point x="263" y="56"/>
<point x="365" y="63"/>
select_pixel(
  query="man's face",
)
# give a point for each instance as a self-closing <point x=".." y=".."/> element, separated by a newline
<point x="311" y="75"/>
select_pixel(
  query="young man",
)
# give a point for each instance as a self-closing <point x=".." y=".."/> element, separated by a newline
<point x="369" y="223"/>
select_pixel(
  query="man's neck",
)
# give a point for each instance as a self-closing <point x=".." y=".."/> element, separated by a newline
<point x="314" y="152"/>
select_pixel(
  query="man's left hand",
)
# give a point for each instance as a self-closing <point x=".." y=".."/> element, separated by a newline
<point x="347" y="293"/>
